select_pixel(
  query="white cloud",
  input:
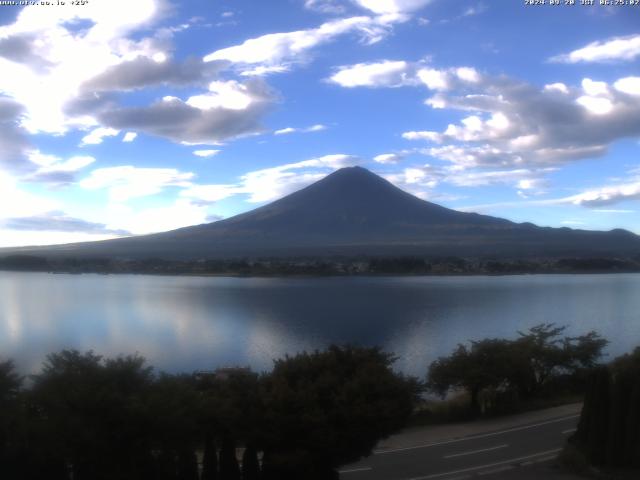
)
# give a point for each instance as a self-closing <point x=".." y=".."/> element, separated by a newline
<point x="524" y="179"/>
<point x="55" y="170"/>
<point x="230" y="95"/>
<point x="392" y="6"/>
<point x="398" y="73"/>
<point x="263" y="70"/>
<point x="434" y="79"/>
<point x="272" y="183"/>
<point x="58" y="221"/>
<point x="386" y="73"/>
<point x="613" y="210"/>
<point x="475" y="10"/>
<point x="14" y="143"/>
<point x="616" y="48"/>
<point x="313" y="128"/>
<point x="206" y="194"/>
<point x="628" y="85"/>
<point x="96" y="136"/>
<point x="129" y="137"/>
<point x="181" y="213"/>
<point x="205" y="153"/>
<point x="592" y="198"/>
<point x="63" y="57"/>
<point x="468" y="74"/>
<point x="21" y="238"/>
<point x="602" y="196"/>
<point x="126" y="182"/>
<point x="285" y="131"/>
<point x="229" y="109"/>
<point x="595" y="105"/>
<point x="516" y="134"/>
<point x="17" y="202"/>
<point x="509" y="123"/>
<point x="388" y="158"/>
<point x="557" y="87"/>
<point x="593" y="88"/>
<point x="24" y="218"/>
<point x="417" y="180"/>
<point x="608" y="195"/>
<point x="276" y="52"/>
<point x="325" y="6"/>
<point x="422" y="135"/>
<point x="473" y="129"/>
<point x="158" y="69"/>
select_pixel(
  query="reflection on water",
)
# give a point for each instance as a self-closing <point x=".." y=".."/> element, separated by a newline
<point x="188" y="323"/>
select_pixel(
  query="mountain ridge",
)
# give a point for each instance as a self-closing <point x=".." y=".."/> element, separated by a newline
<point x="353" y="212"/>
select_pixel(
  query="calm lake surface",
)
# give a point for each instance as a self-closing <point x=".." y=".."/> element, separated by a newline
<point x="189" y="323"/>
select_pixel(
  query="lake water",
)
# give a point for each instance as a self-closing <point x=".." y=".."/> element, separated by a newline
<point x="189" y="323"/>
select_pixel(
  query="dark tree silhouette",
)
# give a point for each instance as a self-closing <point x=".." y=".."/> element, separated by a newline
<point x="210" y="460"/>
<point x="250" y="464"/>
<point x="329" y="408"/>
<point x="229" y="468"/>
<point x="486" y="364"/>
<point x="187" y="465"/>
<point x="609" y="429"/>
<point x="527" y="365"/>
<point x="10" y="419"/>
<point x="91" y="413"/>
<point x="92" y="418"/>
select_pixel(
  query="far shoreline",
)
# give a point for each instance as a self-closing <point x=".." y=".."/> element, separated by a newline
<point x="302" y="276"/>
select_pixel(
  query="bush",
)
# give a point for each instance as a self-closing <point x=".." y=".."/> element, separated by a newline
<point x="498" y="373"/>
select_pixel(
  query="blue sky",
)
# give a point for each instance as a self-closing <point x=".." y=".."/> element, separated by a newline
<point x="123" y="117"/>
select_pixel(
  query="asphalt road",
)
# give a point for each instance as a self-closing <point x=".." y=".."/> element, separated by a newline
<point x="480" y="454"/>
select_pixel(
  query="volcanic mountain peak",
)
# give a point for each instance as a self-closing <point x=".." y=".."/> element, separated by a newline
<point x="353" y="199"/>
<point x="356" y="212"/>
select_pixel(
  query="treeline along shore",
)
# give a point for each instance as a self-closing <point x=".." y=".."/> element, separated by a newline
<point x="323" y="266"/>
<point x="86" y="417"/>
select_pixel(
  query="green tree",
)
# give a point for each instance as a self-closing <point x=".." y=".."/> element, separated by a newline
<point x="485" y="364"/>
<point x="229" y="468"/>
<point x="172" y="408"/>
<point x="91" y="413"/>
<point x="187" y="465"/>
<point x="232" y="406"/>
<point x="250" y="464"/>
<point x="524" y="367"/>
<point x="325" y="409"/>
<point x="608" y="432"/>
<point x="10" y="418"/>
<point x="548" y="354"/>
<point x="10" y="382"/>
<point x="592" y="429"/>
<point x="210" y="460"/>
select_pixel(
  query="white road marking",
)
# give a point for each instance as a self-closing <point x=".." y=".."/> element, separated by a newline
<point x="354" y="470"/>
<point x="504" y="468"/>
<point x="476" y="451"/>
<point x="474" y="437"/>
<point x="538" y="460"/>
<point x="480" y="467"/>
<point x="571" y="430"/>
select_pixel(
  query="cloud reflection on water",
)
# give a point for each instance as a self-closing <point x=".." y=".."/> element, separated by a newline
<point x="189" y="323"/>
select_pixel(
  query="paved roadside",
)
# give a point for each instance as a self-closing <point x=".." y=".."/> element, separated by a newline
<point x="464" y="450"/>
<point x="438" y="433"/>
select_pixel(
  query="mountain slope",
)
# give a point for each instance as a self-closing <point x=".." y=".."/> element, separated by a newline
<point x="355" y="212"/>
